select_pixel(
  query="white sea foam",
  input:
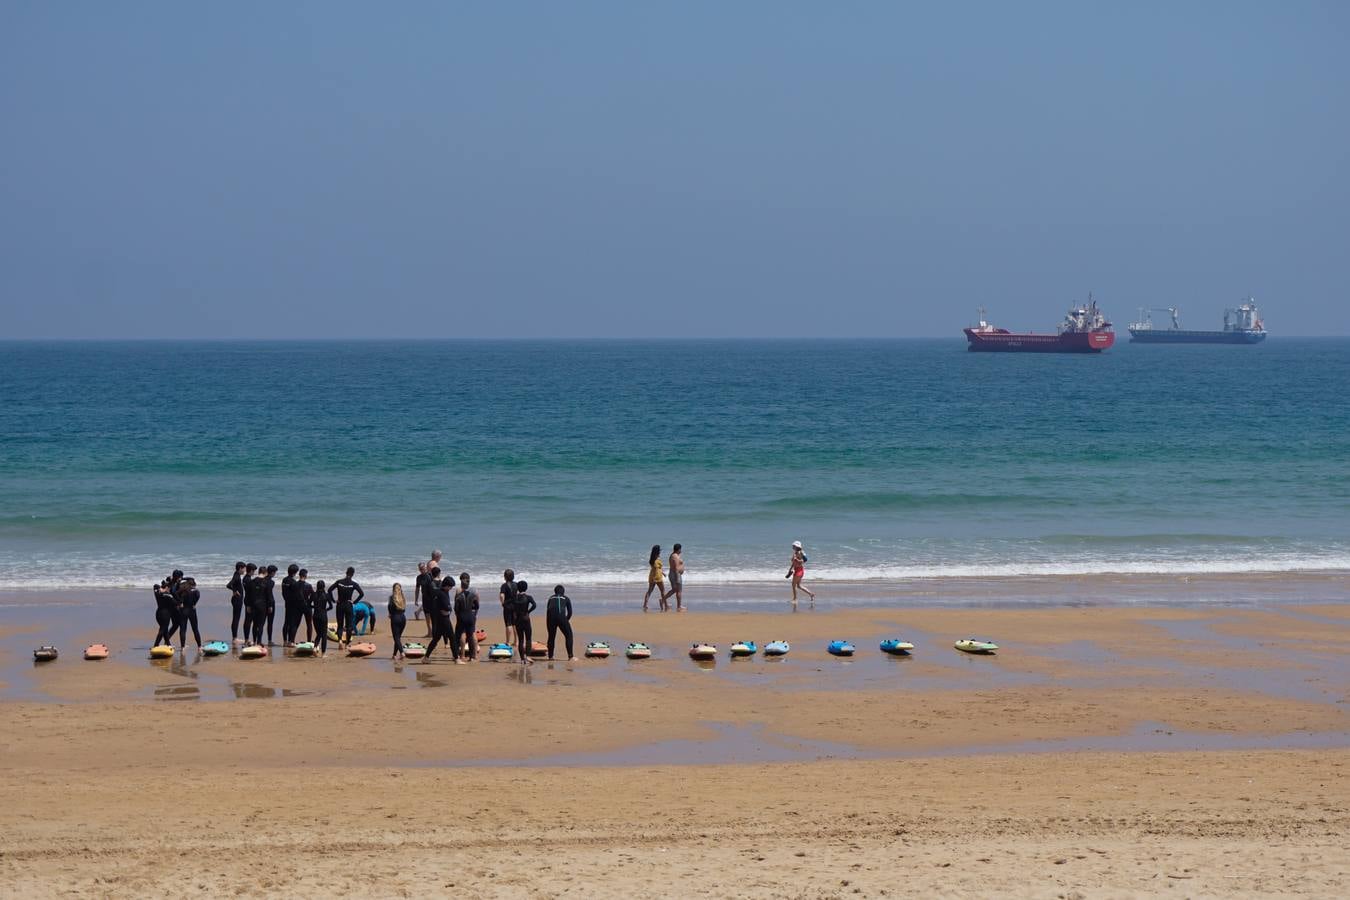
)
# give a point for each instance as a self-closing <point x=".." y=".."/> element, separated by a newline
<point x="212" y="574"/>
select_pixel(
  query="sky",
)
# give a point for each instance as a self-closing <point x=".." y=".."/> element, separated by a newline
<point x="331" y="169"/>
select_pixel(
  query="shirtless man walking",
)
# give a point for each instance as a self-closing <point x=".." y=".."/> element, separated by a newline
<point x="676" y="573"/>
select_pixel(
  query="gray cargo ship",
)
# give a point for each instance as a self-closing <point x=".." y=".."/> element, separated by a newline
<point x="1241" y="325"/>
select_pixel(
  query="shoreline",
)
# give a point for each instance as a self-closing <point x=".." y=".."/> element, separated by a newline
<point x="1018" y="591"/>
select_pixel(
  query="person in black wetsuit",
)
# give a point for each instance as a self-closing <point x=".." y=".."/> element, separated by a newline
<point x="165" y="608"/>
<point x="524" y="605"/>
<point x="290" y="607"/>
<point x="236" y="589"/>
<point x="269" y="584"/>
<point x="439" y="610"/>
<point x="302" y="595"/>
<point x="246" y="585"/>
<point x="346" y="588"/>
<point x="560" y="619"/>
<point x="466" y="619"/>
<point x="319" y="604"/>
<point x="422" y="595"/>
<point x="188" y="597"/>
<point x="398" y="618"/>
<point x="256" y="597"/>
<point x="506" y="595"/>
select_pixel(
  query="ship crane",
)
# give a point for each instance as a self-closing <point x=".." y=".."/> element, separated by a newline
<point x="1145" y="322"/>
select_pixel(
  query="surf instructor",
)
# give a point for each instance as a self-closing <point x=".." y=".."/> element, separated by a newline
<point x="346" y="589"/>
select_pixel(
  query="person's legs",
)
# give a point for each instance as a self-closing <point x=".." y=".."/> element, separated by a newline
<point x="524" y="633"/>
<point x="321" y="639"/>
<point x="469" y="629"/>
<point x="271" y="613"/>
<point x="397" y="622"/>
<point x="236" y="610"/>
<point x="309" y="626"/>
<point x="344" y="623"/>
<point x="248" y="622"/>
<point x="552" y="624"/>
<point x="509" y="623"/>
<point x="162" y="619"/>
<point x="196" y="633"/>
<point x="566" y="628"/>
<point x="647" y="596"/>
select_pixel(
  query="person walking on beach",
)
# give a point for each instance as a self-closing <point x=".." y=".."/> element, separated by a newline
<point x="677" y="576"/>
<point x="236" y="589"/>
<point x="506" y="595"/>
<point x="656" y="580"/>
<point x="466" y="620"/>
<point x="398" y="618"/>
<point x="796" y="569"/>
<point x="558" y="617"/>
<point x="440" y="618"/>
<point x="346" y="588"/>
<point x="524" y="605"/>
<point x="319" y="604"/>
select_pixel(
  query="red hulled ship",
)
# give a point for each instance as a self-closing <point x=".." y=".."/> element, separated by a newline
<point x="1084" y="330"/>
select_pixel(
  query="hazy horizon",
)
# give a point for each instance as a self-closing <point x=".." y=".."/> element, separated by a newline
<point x="610" y="171"/>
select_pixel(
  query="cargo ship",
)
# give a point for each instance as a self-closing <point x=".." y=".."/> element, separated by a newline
<point x="1084" y="330"/>
<point x="1241" y="325"/>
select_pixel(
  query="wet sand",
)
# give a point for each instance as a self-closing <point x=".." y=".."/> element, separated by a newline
<point x="1105" y="750"/>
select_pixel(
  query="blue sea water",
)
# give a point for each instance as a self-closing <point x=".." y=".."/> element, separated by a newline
<point x="889" y="459"/>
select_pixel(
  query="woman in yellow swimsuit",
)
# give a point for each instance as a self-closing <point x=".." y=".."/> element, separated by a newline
<point x="656" y="579"/>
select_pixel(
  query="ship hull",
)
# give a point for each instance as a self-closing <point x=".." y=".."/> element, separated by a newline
<point x="1008" y="342"/>
<point x="1182" y="336"/>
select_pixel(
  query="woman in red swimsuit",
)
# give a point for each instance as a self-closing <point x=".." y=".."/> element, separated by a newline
<point x="796" y="569"/>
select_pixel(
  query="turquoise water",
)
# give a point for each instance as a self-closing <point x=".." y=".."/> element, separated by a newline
<point x="889" y="459"/>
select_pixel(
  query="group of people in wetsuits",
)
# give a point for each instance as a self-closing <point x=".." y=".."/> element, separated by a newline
<point x="176" y="599"/>
<point x="451" y="610"/>
<point x="252" y="597"/>
<point x="452" y="614"/>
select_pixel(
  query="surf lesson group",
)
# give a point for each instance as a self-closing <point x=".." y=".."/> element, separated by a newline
<point x="253" y="604"/>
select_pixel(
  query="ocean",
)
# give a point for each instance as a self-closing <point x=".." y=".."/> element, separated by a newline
<point x="889" y="459"/>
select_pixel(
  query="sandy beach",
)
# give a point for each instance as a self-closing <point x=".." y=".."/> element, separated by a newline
<point x="1103" y="751"/>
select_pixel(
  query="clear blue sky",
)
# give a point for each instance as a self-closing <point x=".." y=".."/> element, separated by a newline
<point x="440" y="169"/>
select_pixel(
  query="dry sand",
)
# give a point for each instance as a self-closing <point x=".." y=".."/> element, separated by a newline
<point x="1104" y="752"/>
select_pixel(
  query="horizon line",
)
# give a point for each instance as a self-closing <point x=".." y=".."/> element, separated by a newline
<point x="542" y="339"/>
